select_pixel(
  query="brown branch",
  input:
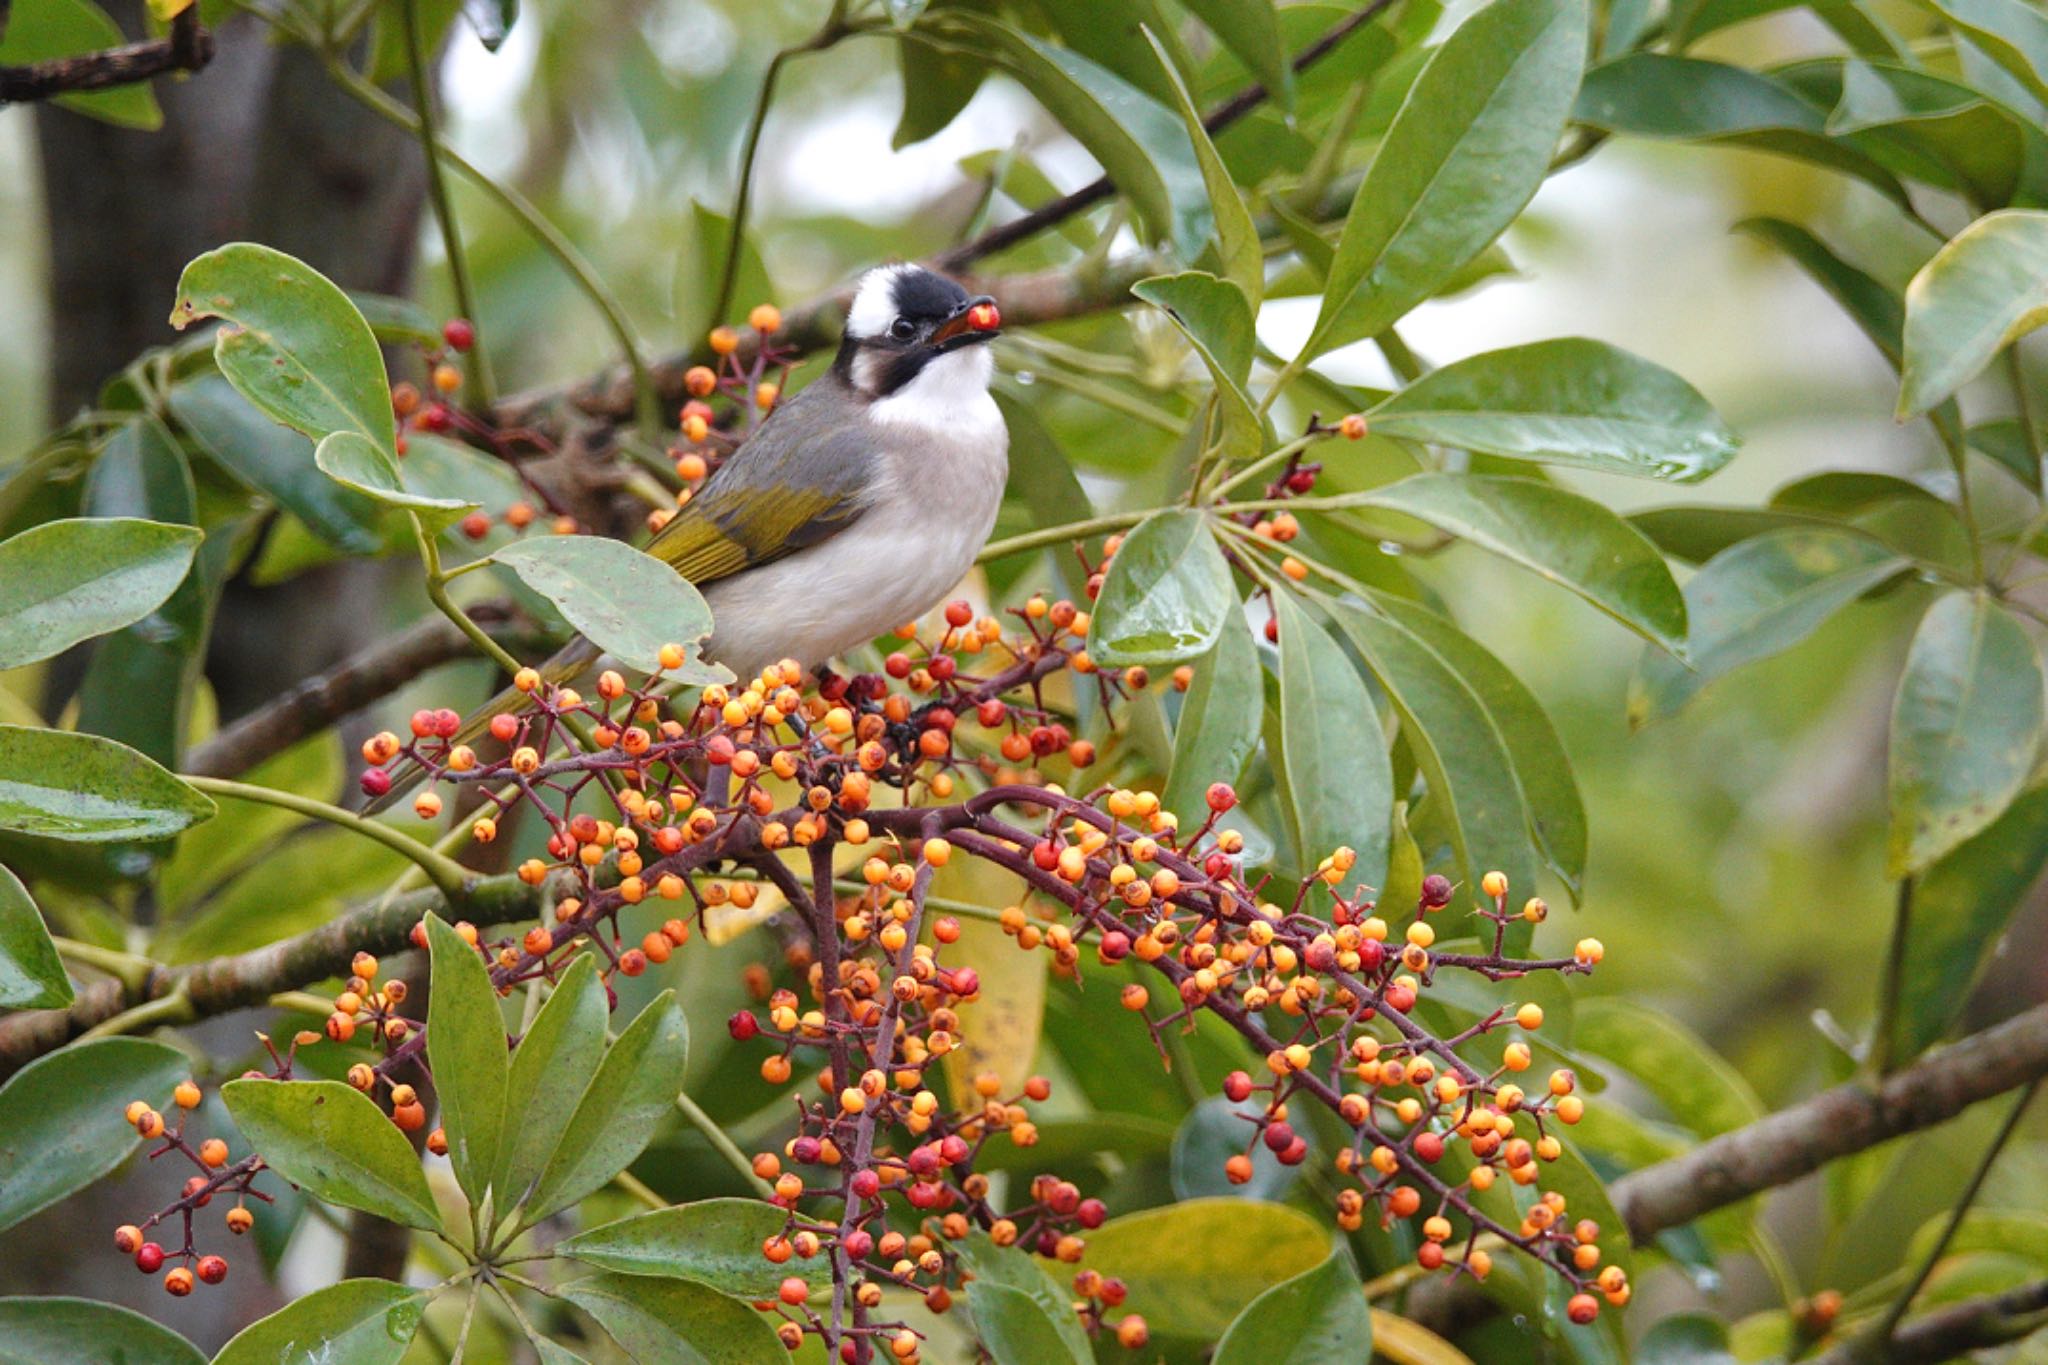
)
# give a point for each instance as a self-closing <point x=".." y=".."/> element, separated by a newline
<point x="1057" y="211"/>
<point x="348" y="687"/>
<point x="188" y="47"/>
<point x="1784" y="1146"/>
<point x="1953" y="1331"/>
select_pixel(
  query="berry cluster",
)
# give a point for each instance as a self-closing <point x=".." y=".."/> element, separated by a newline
<point x="749" y="387"/>
<point x="214" y="1175"/>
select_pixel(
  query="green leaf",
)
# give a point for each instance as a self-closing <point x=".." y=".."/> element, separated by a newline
<point x="2002" y="441"/>
<point x="1966" y="727"/>
<point x="36" y="1331"/>
<point x="1165" y="595"/>
<point x="1319" y="1316"/>
<point x="1686" y="1339"/>
<point x="2012" y="33"/>
<point x="1186" y="1264"/>
<point x="355" y="461"/>
<point x="1251" y="29"/>
<point x="67" y="581"/>
<point x="1016" y="1329"/>
<point x="276" y="462"/>
<point x="396" y="321"/>
<point x="676" y="1322"/>
<point x="1557" y="815"/>
<point x="1215" y="316"/>
<point x="360" y="1322"/>
<point x="1986" y="287"/>
<point x="716" y="1242"/>
<point x="1335" y="779"/>
<point x="550" y="1069"/>
<point x="31" y="974"/>
<point x="627" y="602"/>
<point x="699" y="270"/>
<point x="1460" y="750"/>
<point x="85" y="789"/>
<point x="1467" y="151"/>
<point x="633" y="1090"/>
<point x="1926" y="128"/>
<point x="1693" y="1082"/>
<point x="1136" y="139"/>
<point x="294" y="345"/>
<point x="69" y="28"/>
<point x="1237" y="237"/>
<point x="1696" y="532"/>
<point x="1219" y="720"/>
<point x="466" y="1050"/>
<point x="332" y="1141"/>
<point x="61" y="1123"/>
<point x="1013" y="1270"/>
<point x="1758" y="598"/>
<point x="1209" y="1135"/>
<point x="1961" y="907"/>
<point x="1570" y="540"/>
<point x="1685" y="99"/>
<point x="936" y="87"/>
<point x="1570" y="401"/>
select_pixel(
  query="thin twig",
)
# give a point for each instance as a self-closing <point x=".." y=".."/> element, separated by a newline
<point x="188" y="47"/>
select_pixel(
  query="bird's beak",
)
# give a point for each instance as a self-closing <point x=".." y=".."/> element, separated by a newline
<point x="977" y="321"/>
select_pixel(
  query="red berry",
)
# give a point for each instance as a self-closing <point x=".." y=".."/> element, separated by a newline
<point x="984" y="317"/>
<point x="1221" y="797"/>
<point x="742" y="1026"/>
<point x="1436" y="890"/>
<point x="476" y="526"/>
<point x="1238" y="1086"/>
<point x="504" y="728"/>
<point x="149" y="1258"/>
<point x="959" y="612"/>
<point x="897" y="665"/>
<point x="435" y="417"/>
<point x="866" y="1184"/>
<point x="1092" y="1213"/>
<point x="376" y="782"/>
<point x="213" y="1269"/>
<point x="459" y="333"/>
<point x="447" y="723"/>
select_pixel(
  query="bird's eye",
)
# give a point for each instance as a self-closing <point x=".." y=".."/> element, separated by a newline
<point x="903" y="329"/>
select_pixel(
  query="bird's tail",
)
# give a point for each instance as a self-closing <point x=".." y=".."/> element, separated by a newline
<point x="572" y="659"/>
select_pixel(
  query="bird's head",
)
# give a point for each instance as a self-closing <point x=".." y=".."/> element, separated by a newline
<point x="908" y="322"/>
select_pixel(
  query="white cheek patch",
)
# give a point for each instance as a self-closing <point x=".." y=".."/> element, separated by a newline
<point x="874" y="305"/>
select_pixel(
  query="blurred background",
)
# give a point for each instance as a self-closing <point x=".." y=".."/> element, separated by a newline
<point x="1736" y="872"/>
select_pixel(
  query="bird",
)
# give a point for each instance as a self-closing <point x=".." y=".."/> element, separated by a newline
<point x="857" y="505"/>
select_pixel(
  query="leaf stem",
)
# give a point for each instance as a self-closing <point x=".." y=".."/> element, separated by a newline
<point x="639" y="1189"/>
<point x="175" y="1008"/>
<point x="450" y="878"/>
<point x="724" y="1145"/>
<point x="1893" y="980"/>
<point x="482" y="390"/>
<point x="130" y="969"/>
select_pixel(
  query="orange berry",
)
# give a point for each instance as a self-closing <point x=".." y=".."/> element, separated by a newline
<point x="186" y="1095"/>
<point x="723" y="341"/>
<point x="213" y="1152"/>
<point x="765" y="318"/>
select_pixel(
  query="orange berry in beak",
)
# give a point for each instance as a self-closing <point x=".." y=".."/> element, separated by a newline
<point x="984" y="317"/>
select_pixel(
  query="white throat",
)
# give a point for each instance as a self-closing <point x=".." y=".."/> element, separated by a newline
<point x="949" y="396"/>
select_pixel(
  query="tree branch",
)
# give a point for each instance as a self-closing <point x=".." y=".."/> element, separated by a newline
<point x="1784" y="1146"/>
<point x="188" y="47"/>
<point x="348" y="687"/>
<point x="1947" y="1333"/>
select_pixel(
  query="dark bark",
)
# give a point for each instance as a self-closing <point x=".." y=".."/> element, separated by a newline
<point x="187" y="48"/>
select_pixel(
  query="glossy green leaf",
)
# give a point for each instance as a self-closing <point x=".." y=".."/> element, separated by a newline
<point x="61" y="1117"/>
<point x="291" y="343"/>
<point x="1467" y="151"/>
<point x="1166" y="593"/>
<point x="2003" y="442"/>
<point x="40" y="1331"/>
<point x="2012" y="33"/>
<point x="44" y="29"/>
<point x="1568" y="539"/>
<point x="67" y="581"/>
<point x="676" y="1322"/>
<point x="356" y="462"/>
<point x="1987" y="286"/>
<point x="276" y="462"/>
<point x="396" y="321"/>
<point x="85" y="789"/>
<point x="1696" y="532"/>
<point x="1237" y="237"/>
<point x="550" y="1069"/>
<point x="1015" y="1328"/>
<point x="1317" y="1318"/>
<point x="466" y="1050"/>
<point x="1014" y="1270"/>
<point x="1332" y="763"/>
<point x="1136" y="139"/>
<point x="1214" y="315"/>
<point x="1686" y="1339"/>
<point x="1696" y="1086"/>
<point x="1251" y="29"/>
<point x="628" y="603"/>
<point x="1208" y="1136"/>
<point x="1570" y="401"/>
<point x="716" y="1242"/>
<point x="1459" y="748"/>
<point x="1926" y="128"/>
<point x="1847" y="492"/>
<point x="700" y="268"/>
<point x="31" y="974"/>
<point x="1112" y="33"/>
<point x="1219" y="719"/>
<point x="332" y="1141"/>
<point x="936" y="87"/>
<point x="1186" y="1264"/>
<point x="1758" y="598"/>
<point x="633" y="1090"/>
<point x="357" y="1322"/>
<point x="1961" y="907"/>
<point x="1686" y="99"/>
<point x="1966" y="727"/>
<point x="1557" y="815"/>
